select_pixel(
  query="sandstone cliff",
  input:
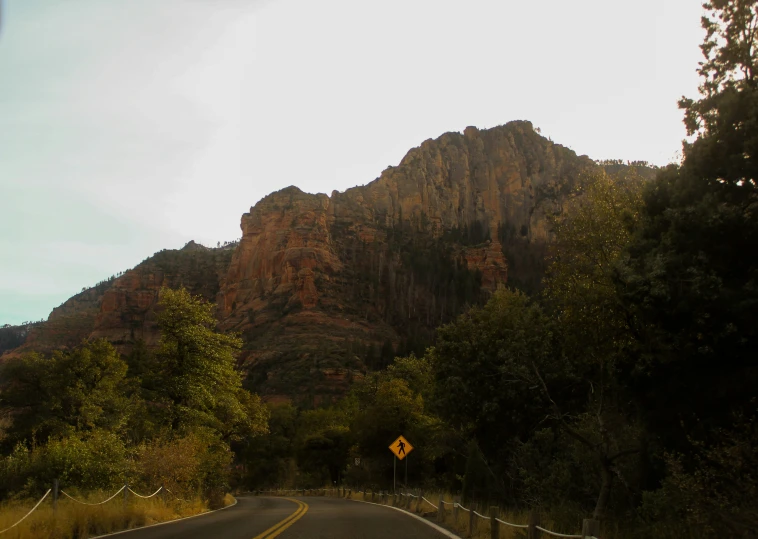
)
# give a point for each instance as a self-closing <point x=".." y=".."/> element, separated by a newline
<point x="323" y="288"/>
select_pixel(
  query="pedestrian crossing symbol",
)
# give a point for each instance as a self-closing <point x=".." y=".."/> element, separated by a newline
<point x="401" y="447"/>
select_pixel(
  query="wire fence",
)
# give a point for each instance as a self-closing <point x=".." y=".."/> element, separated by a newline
<point x="125" y="488"/>
<point x="403" y="500"/>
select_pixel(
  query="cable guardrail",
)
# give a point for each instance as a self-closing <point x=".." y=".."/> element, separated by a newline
<point x="512" y="525"/>
<point x="430" y="503"/>
<point x="481" y="516"/>
<point x="556" y="534"/>
<point x="98" y="503"/>
<point x="29" y="513"/>
<point x="144" y="497"/>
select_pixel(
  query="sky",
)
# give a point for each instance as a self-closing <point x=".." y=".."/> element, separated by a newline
<point x="131" y="126"/>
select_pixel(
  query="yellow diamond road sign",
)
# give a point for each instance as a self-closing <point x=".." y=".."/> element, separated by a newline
<point x="401" y="447"/>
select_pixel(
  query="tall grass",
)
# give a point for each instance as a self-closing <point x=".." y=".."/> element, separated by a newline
<point x="76" y="521"/>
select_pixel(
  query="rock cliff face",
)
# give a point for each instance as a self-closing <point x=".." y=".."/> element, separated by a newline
<point x="323" y="288"/>
<point x="506" y="174"/>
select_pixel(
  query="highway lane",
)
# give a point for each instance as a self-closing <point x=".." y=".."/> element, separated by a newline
<point x="333" y="518"/>
<point x="259" y="517"/>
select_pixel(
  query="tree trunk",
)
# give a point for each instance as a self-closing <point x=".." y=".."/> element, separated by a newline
<point x="605" y="489"/>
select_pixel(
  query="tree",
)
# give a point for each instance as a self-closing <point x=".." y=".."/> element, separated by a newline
<point x="270" y="460"/>
<point x="323" y="443"/>
<point x="730" y="66"/>
<point x="690" y="281"/>
<point x="590" y="240"/>
<point x="482" y="366"/>
<point x="503" y="371"/>
<point x="387" y="404"/>
<point x="197" y="370"/>
<point x="72" y="391"/>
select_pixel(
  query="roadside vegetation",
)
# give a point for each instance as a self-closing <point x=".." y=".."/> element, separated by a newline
<point x="74" y="520"/>
<point x="94" y="421"/>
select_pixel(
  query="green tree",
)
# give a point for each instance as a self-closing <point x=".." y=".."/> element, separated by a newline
<point x="78" y="390"/>
<point x="690" y="281"/>
<point x="390" y="403"/>
<point x="474" y="361"/>
<point x="323" y="443"/>
<point x="197" y="370"/>
<point x="270" y="460"/>
<point x="590" y="240"/>
<point x="484" y="377"/>
<point x="730" y="60"/>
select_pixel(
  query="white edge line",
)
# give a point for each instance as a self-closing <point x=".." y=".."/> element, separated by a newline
<point x="163" y="523"/>
<point x="440" y="529"/>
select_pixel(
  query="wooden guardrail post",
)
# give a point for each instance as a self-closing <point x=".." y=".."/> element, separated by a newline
<point x="590" y="528"/>
<point x="494" y="524"/>
<point x="456" y="501"/>
<point x="372" y="494"/>
<point x="420" y="504"/>
<point x="471" y="517"/>
<point x="126" y="492"/>
<point x="534" y="520"/>
<point x="440" y="510"/>
<point x="55" y="496"/>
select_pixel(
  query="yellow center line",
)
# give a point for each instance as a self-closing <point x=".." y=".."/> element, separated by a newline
<point x="279" y="527"/>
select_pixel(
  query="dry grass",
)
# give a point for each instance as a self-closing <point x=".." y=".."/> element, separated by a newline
<point x="76" y="521"/>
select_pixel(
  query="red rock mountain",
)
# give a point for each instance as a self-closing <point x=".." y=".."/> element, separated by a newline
<point x="323" y="288"/>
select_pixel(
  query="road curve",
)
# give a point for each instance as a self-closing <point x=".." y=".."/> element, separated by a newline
<point x="259" y="517"/>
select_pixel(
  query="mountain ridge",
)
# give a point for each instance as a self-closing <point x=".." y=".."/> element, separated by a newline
<point x="324" y="287"/>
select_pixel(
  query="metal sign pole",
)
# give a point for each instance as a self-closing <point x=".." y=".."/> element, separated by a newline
<point x="406" y="471"/>
<point x="394" y="475"/>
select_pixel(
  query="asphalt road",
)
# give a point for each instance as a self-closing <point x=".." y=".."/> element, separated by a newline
<point x="259" y="517"/>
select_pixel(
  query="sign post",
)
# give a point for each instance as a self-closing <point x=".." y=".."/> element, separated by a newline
<point x="400" y="448"/>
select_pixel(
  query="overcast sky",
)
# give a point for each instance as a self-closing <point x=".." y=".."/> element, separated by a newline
<point x="128" y="126"/>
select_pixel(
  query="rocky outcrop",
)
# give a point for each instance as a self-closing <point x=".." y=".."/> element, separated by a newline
<point x="506" y="174"/>
<point x="285" y="245"/>
<point x="122" y="309"/>
<point x="490" y="261"/>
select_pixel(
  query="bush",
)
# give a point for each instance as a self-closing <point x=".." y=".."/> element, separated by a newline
<point x="197" y="463"/>
<point x="96" y="460"/>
